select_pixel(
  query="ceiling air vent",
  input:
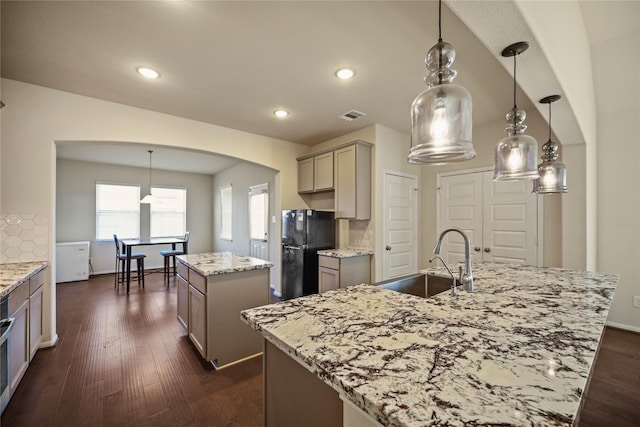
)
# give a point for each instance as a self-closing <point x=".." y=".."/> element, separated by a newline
<point x="351" y="115"/>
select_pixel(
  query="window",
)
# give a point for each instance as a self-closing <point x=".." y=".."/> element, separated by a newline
<point x="168" y="212"/>
<point x="259" y="212"/>
<point x="225" y="212"/>
<point x="117" y="211"/>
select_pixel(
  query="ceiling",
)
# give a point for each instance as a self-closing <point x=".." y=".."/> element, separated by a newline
<point x="233" y="63"/>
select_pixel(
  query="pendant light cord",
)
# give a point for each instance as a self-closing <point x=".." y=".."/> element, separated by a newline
<point x="549" y="121"/>
<point x="515" y="106"/>
<point x="150" y="152"/>
<point x="439" y="42"/>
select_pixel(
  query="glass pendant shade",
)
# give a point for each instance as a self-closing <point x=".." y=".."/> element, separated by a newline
<point x="517" y="153"/>
<point x="553" y="173"/>
<point x="441" y="119"/>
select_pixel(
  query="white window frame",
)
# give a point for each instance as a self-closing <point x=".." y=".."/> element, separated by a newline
<point x="104" y="231"/>
<point x="226" y="212"/>
<point x="262" y="227"/>
<point x="156" y="211"/>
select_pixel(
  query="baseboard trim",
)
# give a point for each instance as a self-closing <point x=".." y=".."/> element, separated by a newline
<point x="50" y="343"/>
<point x="623" y="326"/>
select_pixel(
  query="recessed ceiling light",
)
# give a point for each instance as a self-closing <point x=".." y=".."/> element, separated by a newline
<point x="281" y="113"/>
<point x="148" y="72"/>
<point x="345" y="73"/>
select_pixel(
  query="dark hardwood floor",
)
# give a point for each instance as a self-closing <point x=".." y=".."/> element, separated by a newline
<point x="125" y="361"/>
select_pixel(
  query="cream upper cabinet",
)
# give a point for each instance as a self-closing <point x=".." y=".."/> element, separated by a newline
<point x="352" y="172"/>
<point x="315" y="173"/>
<point x="323" y="172"/>
<point x="305" y="175"/>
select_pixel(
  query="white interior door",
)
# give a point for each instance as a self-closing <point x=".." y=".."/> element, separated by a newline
<point x="460" y="207"/>
<point x="510" y="222"/>
<point x="400" y="225"/>
<point x="500" y="218"/>
<point x="259" y="221"/>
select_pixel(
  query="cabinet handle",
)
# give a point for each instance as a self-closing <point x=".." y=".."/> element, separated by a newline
<point x="477" y="249"/>
<point x="487" y="250"/>
<point x="388" y="248"/>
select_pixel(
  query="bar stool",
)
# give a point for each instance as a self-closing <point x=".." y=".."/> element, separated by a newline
<point x="121" y="261"/>
<point x="169" y="254"/>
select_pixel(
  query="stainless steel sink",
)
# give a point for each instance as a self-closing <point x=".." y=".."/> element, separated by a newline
<point x="421" y="285"/>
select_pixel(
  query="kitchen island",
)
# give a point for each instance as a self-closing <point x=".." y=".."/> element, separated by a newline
<point x="213" y="288"/>
<point x="516" y="351"/>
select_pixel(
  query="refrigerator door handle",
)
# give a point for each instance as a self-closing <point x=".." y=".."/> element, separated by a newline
<point x="292" y="247"/>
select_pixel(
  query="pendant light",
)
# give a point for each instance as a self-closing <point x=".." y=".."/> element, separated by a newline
<point x="148" y="198"/>
<point x="553" y="173"/>
<point x="517" y="153"/>
<point x="441" y="115"/>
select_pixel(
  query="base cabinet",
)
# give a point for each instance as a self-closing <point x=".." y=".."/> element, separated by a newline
<point x="198" y="320"/>
<point x="35" y="321"/>
<point x="334" y="273"/>
<point x="212" y="312"/>
<point x="19" y="345"/>
<point x="183" y="301"/>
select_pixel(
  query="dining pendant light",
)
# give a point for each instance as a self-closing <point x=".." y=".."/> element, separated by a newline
<point x="553" y="173"/>
<point x="517" y="153"/>
<point x="441" y="115"/>
<point x="148" y="198"/>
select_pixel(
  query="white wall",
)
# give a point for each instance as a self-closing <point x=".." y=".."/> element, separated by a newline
<point x="36" y="117"/>
<point x="76" y="208"/>
<point x="616" y="65"/>
<point x="241" y="177"/>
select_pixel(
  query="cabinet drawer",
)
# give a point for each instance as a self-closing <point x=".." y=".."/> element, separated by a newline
<point x="329" y="262"/>
<point x="17" y="297"/>
<point x="183" y="271"/>
<point x="197" y="281"/>
<point x="36" y="281"/>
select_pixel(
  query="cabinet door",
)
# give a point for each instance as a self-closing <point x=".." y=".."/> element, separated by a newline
<point x="323" y="172"/>
<point x="352" y="182"/>
<point x="328" y="279"/>
<point x="19" y="346"/>
<point x="305" y="175"/>
<point x="35" y="321"/>
<point x="198" y="320"/>
<point x="183" y="301"/>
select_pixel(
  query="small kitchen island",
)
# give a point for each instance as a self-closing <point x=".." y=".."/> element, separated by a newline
<point x="516" y="351"/>
<point x="213" y="288"/>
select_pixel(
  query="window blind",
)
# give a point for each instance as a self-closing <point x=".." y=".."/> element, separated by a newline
<point x="226" y="212"/>
<point x="117" y="211"/>
<point x="259" y="212"/>
<point x="168" y="212"/>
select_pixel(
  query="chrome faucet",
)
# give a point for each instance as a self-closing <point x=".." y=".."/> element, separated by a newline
<point x="454" y="285"/>
<point x="466" y="278"/>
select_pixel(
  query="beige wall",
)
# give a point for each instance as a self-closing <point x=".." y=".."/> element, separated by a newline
<point x="616" y="65"/>
<point x="76" y="208"/>
<point x="36" y="117"/>
<point x="241" y="177"/>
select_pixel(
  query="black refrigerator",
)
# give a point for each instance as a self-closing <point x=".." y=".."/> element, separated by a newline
<point x="304" y="233"/>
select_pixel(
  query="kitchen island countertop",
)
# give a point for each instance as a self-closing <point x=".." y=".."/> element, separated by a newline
<point x="13" y="275"/>
<point x="516" y="351"/>
<point x="213" y="263"/>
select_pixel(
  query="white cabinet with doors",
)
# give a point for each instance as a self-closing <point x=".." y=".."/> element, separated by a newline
<point x="315" y="173"/>
<point x="36" y="291"/>
<point x="500" y="218"/>
<point x="19" y="335"/>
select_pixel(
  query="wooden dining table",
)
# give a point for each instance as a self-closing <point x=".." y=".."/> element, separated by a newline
<point x="127" y="244"/>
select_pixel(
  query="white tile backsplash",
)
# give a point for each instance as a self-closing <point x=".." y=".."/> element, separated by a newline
<point x="362" y="234"/>
<point x="24" y="237"/>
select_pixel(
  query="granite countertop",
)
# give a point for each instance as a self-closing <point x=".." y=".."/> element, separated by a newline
<point x="13" y="275"/>
<point x="212" y="263"/>
<point x="345" y="253"/>
<point x="516" y="351"/>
